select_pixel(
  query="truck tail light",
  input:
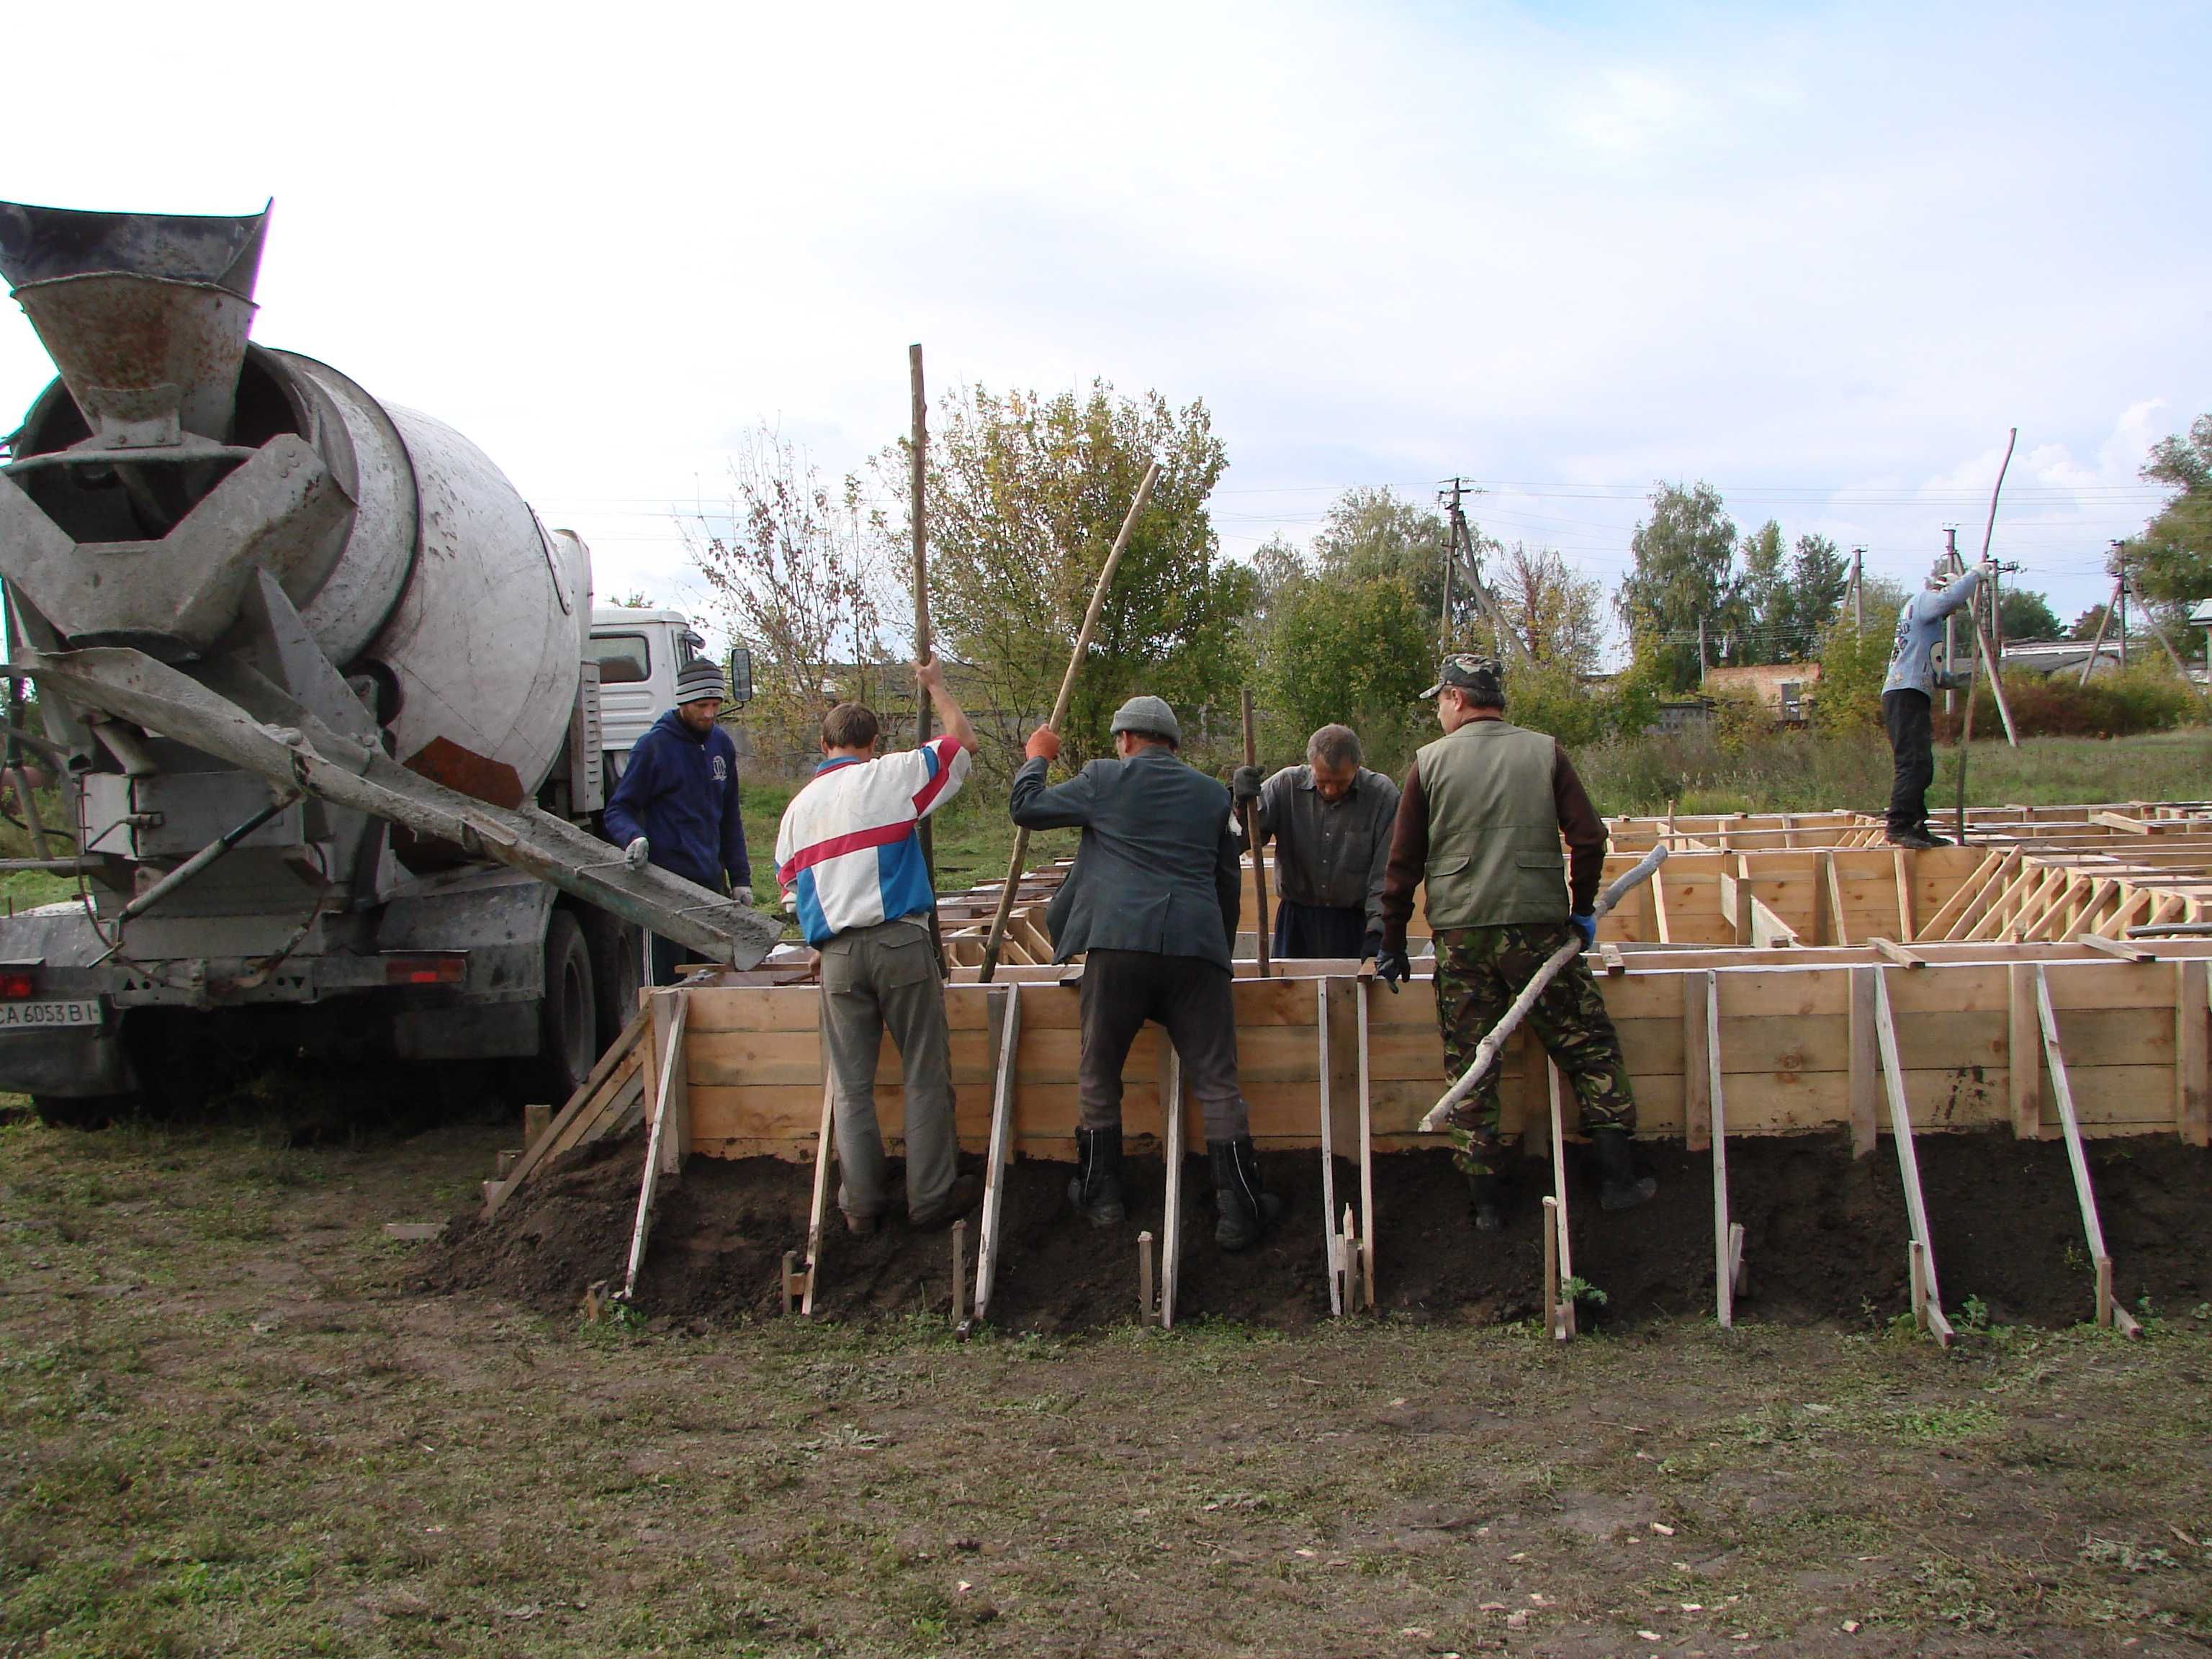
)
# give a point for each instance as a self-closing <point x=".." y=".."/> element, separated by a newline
<point x="18" y="980"/>
<point x="427" y="968"/>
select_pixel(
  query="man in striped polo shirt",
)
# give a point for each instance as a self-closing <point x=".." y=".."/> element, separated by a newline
<point x="848" y="855"/>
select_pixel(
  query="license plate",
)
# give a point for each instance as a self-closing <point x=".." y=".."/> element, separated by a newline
<point x="48" y="1016"/>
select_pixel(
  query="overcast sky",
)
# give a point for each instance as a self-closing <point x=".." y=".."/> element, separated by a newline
<point x="1821" y="257"/>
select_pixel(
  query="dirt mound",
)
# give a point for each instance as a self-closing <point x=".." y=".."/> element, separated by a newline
<point x="1825" y="1238"/>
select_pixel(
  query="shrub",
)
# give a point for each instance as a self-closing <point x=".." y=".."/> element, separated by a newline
<point x="2147" y="698"/>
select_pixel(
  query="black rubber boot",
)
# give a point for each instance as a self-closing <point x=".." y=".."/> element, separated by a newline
<point x="1485" y="1197"/>
<point x="1624" y="1189"/>
<point x="1097" y="1188"/>
<point x="1246" y="1207"/>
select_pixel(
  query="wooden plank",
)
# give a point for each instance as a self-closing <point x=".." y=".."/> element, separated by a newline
<point x="1723" y="1268"/>
<point x="2070" y="1124"/>
<point x="1366" y="985"/>
<point x="1325" y="1068"/>
<point x="2125" y="950"/>
<point x="817" y="1209"/>
<point x="1897" y="953"/>
<point x="1903" y="868"/>
<point x="2023" y="1049"/>
<point x="1697" y="1070"/>
<point x="1658" y="885"/>
<point x="1551" y="1268"/>
<point x="1921" y="1253"/>
<point x="999" y="1156"/>
<point x="1558" y="1211"/>
<point x="2192" y="1053"/>
<point x="580" y="1119"/>
<point x="1172" y="1147"/>
<point x="664" y="1116"/>
<point x="1865" y="1060"/>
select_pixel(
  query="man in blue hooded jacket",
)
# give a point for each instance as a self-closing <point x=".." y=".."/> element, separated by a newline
<point x="676" y="804"/>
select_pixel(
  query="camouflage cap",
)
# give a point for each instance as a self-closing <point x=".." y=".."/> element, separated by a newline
<point x="1483" y="676"/>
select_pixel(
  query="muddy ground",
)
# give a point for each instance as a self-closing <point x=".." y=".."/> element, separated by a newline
<point x="231" y="1422"/>
<point x="1825" y="1239"/>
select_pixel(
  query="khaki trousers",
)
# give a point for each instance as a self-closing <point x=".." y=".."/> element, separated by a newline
<point x="873" y="979"/>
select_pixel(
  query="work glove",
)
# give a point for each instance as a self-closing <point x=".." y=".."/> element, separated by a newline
<point x="1391" y="963"/>
<point x="1245" y="785"/>
<point x="636" y="855"/>
<point x="1044" y="745"/>
<point x="1585" y="926"/>
<point x="1369" y="945"/>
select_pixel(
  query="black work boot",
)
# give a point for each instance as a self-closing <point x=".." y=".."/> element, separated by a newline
<point x="1624" y="1189"/>
<point x="1485" y="1197"/>
<point x="1097" y="1188"/>
<point x="1246" y="1207"/>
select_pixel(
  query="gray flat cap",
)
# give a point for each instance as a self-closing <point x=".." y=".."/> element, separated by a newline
<point x="1149" y="716"/>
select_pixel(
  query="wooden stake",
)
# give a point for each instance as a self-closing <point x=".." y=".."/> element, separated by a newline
<point x="1726" y="1239"/>
<point x="1171" y="1223"/>
<point x="918" y="511"/>
<point x="1000" y="1154"/>
<point x="1148" y="1309"/>
<point x="2062" y="1092"/>
<point x="1324" y="1070"/>
<point x="960" y="1274"/>
<point x="1252" y="840"/>
<point x="825" y="1146"/>
<point x="1697" y="1074"/>
<point x="2023" y="1053"/>
<point x="536" y="1118"/>
<point x="1060" y="711"/>
<point x="1552" y="1269"/>
<point x="1928" y="1303"/>
<point x="1557" y="1210"/>
<point x="663" y="1113"/>
<point x="2192" y="1053"/>
<point x="1366" y="984"/>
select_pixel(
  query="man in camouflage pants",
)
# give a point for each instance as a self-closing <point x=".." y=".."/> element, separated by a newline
<point x="1480" y="821"/>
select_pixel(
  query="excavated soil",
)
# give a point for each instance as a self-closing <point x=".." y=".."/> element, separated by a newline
<point x="1825" y="1238"/>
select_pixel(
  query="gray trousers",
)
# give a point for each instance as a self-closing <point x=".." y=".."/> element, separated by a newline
<point x="1189" y="998"/>
<point x="873" y="978"/>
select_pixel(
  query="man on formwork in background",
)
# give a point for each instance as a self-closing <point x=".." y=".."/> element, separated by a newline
<point x="1480" y="820"/>
<point x="1330" y="821"/>
<point x="849" y="856"/>
<point x="676" y="804"/>
<point x="1908" y="702"/>
<point x="1151" y="905"/>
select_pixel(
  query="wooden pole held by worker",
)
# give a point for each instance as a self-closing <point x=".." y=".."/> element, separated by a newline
<point x="1252" y="840"/>
<point x="1060" y="712"/>
<point x="918" y="457"/>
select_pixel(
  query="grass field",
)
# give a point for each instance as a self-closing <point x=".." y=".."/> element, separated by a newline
<point x="231" y="1428"/>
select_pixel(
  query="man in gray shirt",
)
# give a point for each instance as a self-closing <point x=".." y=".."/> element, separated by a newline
<point x="1907" y="704"/>
<point x="1330" y="820"/>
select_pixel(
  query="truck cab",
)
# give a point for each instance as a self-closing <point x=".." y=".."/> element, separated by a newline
<point x="639" y="653"/>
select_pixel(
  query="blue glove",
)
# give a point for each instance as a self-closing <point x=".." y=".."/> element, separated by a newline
<point x="1586" y="927"/>
<point x="1392" y="964"/>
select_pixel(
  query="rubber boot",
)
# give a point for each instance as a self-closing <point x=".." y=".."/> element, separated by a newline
<point x="1485" y="1197"/>
<point x="1623" y="1188"/>
<point x="1097" y="1188"/>
<point x="1246" y="1209"/>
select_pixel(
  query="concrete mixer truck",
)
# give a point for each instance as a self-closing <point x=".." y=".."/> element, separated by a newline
<point x="321" y="692"/>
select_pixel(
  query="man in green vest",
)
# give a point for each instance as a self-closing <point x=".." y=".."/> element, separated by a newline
<point x="1481" y="820"/>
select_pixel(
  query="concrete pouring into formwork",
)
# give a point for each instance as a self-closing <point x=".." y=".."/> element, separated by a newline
<point x="1867" y="1079"/>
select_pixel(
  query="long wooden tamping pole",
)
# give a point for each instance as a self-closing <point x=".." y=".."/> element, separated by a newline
<point x="1060" y="713"/>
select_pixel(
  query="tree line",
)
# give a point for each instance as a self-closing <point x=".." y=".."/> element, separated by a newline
<point x="1026" y="491"/>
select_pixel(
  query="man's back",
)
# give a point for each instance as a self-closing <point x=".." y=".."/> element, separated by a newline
<point x="1156" y="857"/>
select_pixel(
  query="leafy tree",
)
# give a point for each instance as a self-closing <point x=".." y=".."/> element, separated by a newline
<point x="1555" y="611"/>
<point x="1762" y="615"/>
<point x="797" y="572"/>
<point x="1854" y="661"/>
<point x="1820" y="576"/>
<point x="1375" y="532"/>
<point x="2172" y="560"/>
<point x="2022" y="615"/>
<point x="636" y="599"/>
<point x="2095" y="620"/>
<point x="1685" y="569"/>
<point x="1026" y="493"/>
<point x="1359" y="653"/>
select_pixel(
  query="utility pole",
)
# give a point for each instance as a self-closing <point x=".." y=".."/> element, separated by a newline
<point x="2120" y="599"/>
<point x="1701" y="651"/>
<point x="1451" y="558"/>
<point x="1858" y="589"/>
<point x="922" y="640"/>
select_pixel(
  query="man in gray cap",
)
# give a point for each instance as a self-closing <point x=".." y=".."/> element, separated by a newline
<point x="676" y="804"/>
<point x="1480" y="821"/>
<point x="1330" y="821"/>
<point x="1151" y="907"/>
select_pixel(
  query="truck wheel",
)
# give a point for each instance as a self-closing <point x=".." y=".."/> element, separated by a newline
<point x="617" y="953"/>
<point x="82" y="1111"/>
<point x="569" y="1028"/>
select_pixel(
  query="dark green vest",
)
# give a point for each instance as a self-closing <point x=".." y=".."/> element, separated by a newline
<point x="1494" y="850"/>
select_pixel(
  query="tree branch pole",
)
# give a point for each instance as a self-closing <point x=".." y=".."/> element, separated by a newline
<point x="1060" y="712"/>
<point x="1983" y="654"/>
<point x="920" y="459"/>
<point x="1252" y="839"/>
<point x="1486" y="1056"/>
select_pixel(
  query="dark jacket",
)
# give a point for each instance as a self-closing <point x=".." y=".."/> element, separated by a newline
<point x="680" y="793"/>
<point x="1158" y="868"/>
